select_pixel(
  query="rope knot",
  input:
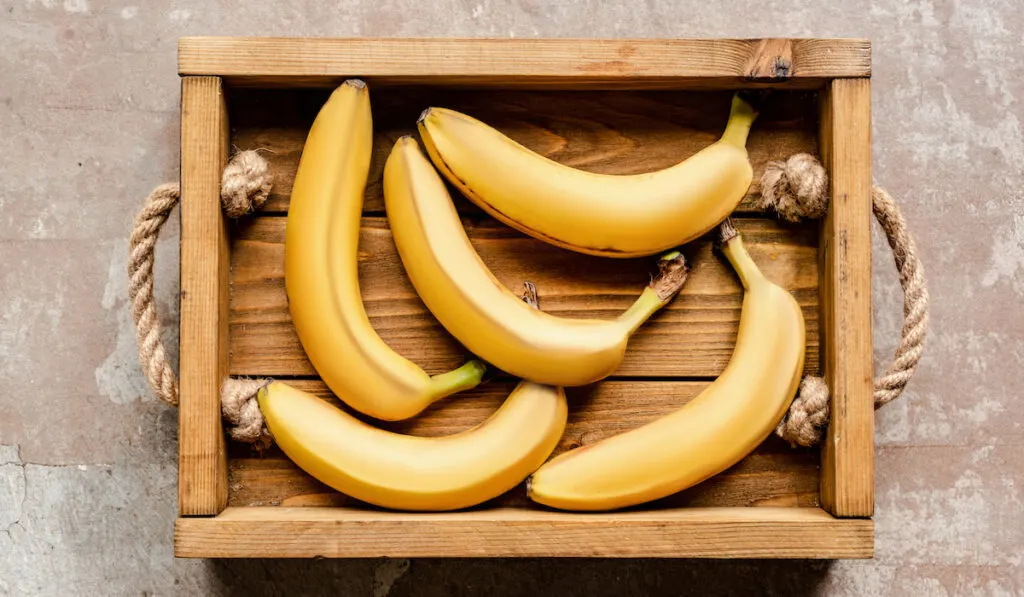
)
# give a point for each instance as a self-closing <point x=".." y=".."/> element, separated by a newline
<point x="245" y="186"/>
<point x="241" y="409"/>
<point x="795" y="188"/>
<point x="246" y="183"/>
<point x="807" y="418"/>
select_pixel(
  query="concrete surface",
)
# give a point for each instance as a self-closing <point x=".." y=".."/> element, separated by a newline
<point x="89" y="124"/>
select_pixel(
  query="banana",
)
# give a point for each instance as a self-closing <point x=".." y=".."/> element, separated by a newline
<point x="417" y="473"/>
<point x="707" y="435"/>
<point x="482" y="314"/>
<point x="598" y="214"/>
<point x="321" y="276"/>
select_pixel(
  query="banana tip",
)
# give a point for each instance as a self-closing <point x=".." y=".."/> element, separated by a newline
<point x="404" y="141"/>
<point x="488" y="373"/>
<point x="753" y="98"/>
<point x="357" y="83"/>
<point x="423" y="116"/>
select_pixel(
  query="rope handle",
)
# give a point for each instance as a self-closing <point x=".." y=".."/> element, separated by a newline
<point x="244" y="189"/>
<point x="795" y="188"/>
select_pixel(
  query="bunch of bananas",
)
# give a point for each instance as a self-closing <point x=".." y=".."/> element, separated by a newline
<point x="615" y="216"/>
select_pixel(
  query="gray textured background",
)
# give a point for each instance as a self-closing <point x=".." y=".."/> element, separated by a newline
<point x="89" y="124"/>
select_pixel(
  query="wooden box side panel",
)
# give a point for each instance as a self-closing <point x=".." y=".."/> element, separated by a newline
<point x="565" y="63"/>
<point x="205" y="263"/>
<point x="847" y="479"/>
<point x="508" y="532"/>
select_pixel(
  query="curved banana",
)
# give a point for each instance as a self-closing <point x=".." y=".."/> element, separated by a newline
<point x="598" y="214"/>
<point x="417" y="473"/>
<point x="710" y="433"/>
<point x="478" y="310"/>
<point x="321" y="275"/>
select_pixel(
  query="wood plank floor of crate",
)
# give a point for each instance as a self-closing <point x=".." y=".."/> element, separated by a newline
<point x="670" y="359"/>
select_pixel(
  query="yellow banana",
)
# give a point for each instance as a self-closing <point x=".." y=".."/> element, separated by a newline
<point x="321" y="276"/>
<point x="598" y="214"/>
<point x="707" y="435"/>
<point x="417" y="473"/>
<point x="481" y="313"/>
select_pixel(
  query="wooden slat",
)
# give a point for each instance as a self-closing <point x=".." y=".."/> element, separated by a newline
<point x="202" y="463"/>
<point x="611" y="132"/>
<point x="774" y="475"/>
<point x="509" y="532"/>
<point x="847" y="481"/>
<point x="771" y="60"/>
<point x="575" y="63"/>
<point x="692" y="337"/>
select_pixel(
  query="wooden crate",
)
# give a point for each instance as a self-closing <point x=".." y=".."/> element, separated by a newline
<point x="612" y="106"/>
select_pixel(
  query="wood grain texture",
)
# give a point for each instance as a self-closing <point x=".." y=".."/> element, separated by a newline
<point x="771" y="60"/>
<point x="847" y="481"/>
<point x="612" y="132"/>
<point x="202" y="462"/>
<point x="575" y="63"/>
<point x="774" y="475"/>
<point x="509" y="532"/>
<point x="604" y="131"/>
<point x="691" y="337"/>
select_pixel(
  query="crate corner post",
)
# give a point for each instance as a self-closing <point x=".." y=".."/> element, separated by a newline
<point x="847" y="480"/>
<point x="202" y="459"/>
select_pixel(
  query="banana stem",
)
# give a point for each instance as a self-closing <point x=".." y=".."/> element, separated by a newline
<point x="640" y="311"/>
<point x="741" y="118"/>
<point x="530" y="295"/>
<point x="672" y="273"/>
<point x="466" y="377"/>
<point x="736" y="253"/>
<point x="727" y="231"/>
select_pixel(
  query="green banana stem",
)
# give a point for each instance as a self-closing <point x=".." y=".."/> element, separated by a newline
<point x="741" y="118"/>
<point x="736" y="253"/>
<point x="466" y="377"/>
<point x="672" y="273"/>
